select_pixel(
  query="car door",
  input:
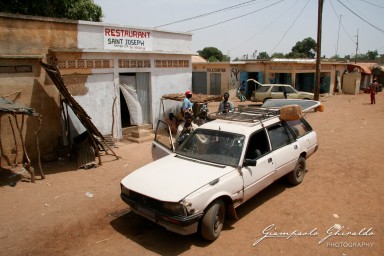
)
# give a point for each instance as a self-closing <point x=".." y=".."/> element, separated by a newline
<point x="277" y="92"/>
<point x="285" y="149"/>
<point x="291" y="93"/>
<point x="164" y="142"/>
<point x="260" y="175"/>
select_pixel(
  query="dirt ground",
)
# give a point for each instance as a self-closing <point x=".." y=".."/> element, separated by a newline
<point x="343" y="187"/>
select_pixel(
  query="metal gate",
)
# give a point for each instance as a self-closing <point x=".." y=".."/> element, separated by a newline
<point x="199" y="82"/>
<point x="215" y="83"/>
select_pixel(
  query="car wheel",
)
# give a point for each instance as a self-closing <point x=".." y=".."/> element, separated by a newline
<point x="297" y="175"/>
<point x="213" y="220"/>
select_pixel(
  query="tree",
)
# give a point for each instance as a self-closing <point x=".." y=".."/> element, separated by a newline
<point x="263" y="55"/>
<point x="296" y="55"/>
<point x="212" y="54"/>
<point x="69" y="9"/>
<point x="277" y="55"/>
<point x="372" y="55"/>
<point x="304" y="49"/>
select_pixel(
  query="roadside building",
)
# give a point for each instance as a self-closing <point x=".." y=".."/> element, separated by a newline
<point x="116" y="73"/>
<point x="220" y="77"/>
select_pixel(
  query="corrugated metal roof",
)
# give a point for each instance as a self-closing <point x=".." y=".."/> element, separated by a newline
<point x="362" y="68"/>
<point x="8" y="106"/>
<point x="294" y="60"/>
<point x="198" y="58"/>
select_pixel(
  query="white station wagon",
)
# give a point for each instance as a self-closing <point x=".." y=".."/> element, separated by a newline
<point x="218" y="167"/>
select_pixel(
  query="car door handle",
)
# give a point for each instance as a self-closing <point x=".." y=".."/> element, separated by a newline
<point x="295" y="147"/>
<point x="269" y="160"/>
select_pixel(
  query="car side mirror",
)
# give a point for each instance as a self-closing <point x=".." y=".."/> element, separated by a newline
<point x="249" y="162"/>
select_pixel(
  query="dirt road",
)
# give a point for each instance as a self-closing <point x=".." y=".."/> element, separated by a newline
<point x="343" y="187"/>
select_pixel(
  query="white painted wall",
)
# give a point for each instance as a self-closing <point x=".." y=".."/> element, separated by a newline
<point x="103" y="87"/>
<point x="168" y="83"/>
<point x="91" y="37"/>
<point x="98" y="102"/>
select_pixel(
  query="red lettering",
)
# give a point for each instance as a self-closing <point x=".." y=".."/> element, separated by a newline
<point x="126" y="33"/>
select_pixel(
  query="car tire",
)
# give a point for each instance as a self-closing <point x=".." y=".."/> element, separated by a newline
<point x="213" y="220"/>
<point x="297" y="175"/>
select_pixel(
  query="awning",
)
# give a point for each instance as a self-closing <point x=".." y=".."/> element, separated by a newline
<point x="360" y="68"/>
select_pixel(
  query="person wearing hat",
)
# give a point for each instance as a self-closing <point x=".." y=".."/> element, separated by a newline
<point x="186" y="127"/>
<point x="373" y="91"/>
<point x="187" y="104"/>
<point x="225" y="105"/>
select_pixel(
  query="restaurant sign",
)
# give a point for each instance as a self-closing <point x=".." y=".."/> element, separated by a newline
<point x="127" y="39"/>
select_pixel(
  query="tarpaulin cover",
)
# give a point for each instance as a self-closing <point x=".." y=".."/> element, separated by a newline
<point x="8" y="106"/>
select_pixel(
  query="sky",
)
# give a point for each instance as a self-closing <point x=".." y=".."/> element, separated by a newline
<point x="240" y="28"/>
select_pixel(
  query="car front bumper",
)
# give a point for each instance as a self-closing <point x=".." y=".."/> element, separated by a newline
<point x="184" y="225"/>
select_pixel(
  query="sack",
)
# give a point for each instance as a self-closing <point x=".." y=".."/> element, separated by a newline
<point x="291" y="112"/>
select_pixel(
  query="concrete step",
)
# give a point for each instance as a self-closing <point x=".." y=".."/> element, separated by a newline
<point x="139" y="134"/>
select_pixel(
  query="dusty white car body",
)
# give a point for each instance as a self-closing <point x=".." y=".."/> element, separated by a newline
<point x="276" y="91"/>
<point x="221" y="165"/>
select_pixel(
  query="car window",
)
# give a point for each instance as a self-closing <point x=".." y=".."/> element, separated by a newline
<point x="276" y="89"/>
<point x="289" y="89"/>
<point x="279" y="136"/>
<point x="298" y="127"/>
<point x="263" y="89"/>
<point x="213" y="146"/>
<point x="163" y="135"/>
<point x="258" y="145"/>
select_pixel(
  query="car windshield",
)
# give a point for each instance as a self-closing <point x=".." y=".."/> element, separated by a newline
<point x="213" y="146"/>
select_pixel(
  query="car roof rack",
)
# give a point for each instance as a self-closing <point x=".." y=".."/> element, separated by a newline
<point x="245" y="113"/>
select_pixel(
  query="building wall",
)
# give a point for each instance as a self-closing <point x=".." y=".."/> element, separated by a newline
<point x="269" y="69"/>
<point x="90" y="68"/>
<point x="229" y="75"/>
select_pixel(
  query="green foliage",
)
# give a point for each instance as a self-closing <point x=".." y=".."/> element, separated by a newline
<point x="372" y="55"/>
<point x="296" y="55"/>
<point x="277" y="55"/>
<point x="212" y="54"/>
<point x="304" y="49"/>
<point x="226" y="58"/>
<point x="263" y="56"/>
<point x="69" y="9"/>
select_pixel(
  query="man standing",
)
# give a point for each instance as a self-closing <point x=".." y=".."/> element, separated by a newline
<point x="373" y="91"/>
<point x="226" y="106"/>
<point x="187" y="104"/>
<point x="241" y="92"/>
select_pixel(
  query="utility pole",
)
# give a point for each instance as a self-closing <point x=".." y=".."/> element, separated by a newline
<point x="357" y="44"/>
<point x="318" y="50"/>
<point x="338" y="33"/>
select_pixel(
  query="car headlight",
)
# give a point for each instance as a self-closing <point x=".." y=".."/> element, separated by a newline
<point x="174" y="209"/>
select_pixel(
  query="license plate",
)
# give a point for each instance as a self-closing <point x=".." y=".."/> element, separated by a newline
<point x="145" y="211"/>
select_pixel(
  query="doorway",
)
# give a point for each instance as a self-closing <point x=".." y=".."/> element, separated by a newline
<point x="134" y="98"/>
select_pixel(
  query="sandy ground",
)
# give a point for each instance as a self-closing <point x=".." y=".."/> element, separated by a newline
<point x="343" y="186"/>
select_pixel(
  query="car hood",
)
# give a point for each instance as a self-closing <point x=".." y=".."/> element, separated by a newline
<point x="172" y="178"/>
